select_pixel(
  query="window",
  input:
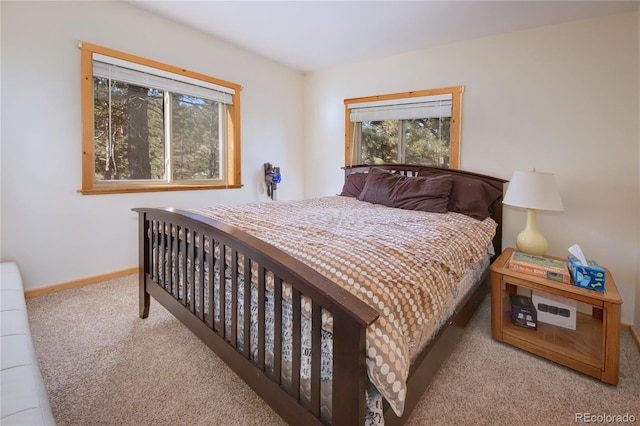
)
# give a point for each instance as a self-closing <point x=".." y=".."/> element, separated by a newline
<point x="148" y="126"/>
<point x="421" y="128"/>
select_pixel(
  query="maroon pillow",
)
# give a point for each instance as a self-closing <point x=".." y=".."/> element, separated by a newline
<point x="353" y="185"/>
<point x="429" y="194"/>
<point x="469" y="196"/>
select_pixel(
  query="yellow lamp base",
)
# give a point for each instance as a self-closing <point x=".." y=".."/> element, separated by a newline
<point x="530" y="240"/>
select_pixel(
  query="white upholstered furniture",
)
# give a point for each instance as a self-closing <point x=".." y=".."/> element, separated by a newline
<point x="23" y="397"/>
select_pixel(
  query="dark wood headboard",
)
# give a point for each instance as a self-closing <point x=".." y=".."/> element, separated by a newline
<point x="413" y="170"/>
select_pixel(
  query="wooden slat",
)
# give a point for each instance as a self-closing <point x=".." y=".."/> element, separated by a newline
<point x="277" y="331"/>
<point x="165" y="251"/>
<point x="211" y="263"/>
<point x="169" y="249"/>
<point x="233" y="338"/>
<point x="296" y="344"/>
<point x="222" y="291"/>
<point x="200" y="251"/>
<point x="154" y="249"/>
<point x="190" y="278"/>
<point x="261" y="316"/>
<point x="148" y="235"/>
<point x="316" y="354"/>
<point x="173" y="266"/>
<point x="181" y="265"/>
<point x="165" y="262"/>
<point x="246" y="314"/>
<point x="166" y="234"/>
<point x="160" y="253"/>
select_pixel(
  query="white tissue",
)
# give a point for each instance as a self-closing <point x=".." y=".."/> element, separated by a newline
<point x="577" y="252"/>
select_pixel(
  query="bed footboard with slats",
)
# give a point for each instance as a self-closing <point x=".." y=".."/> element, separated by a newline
<point x="215" y="278"/>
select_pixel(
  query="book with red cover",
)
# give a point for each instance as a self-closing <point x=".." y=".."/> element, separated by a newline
<point x="551" y="269"/>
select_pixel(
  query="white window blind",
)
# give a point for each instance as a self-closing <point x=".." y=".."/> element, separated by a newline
<point x="142" y="75"/>
<point x="402" y="109"/>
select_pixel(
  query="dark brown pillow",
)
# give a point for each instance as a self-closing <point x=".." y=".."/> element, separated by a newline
<point x="353" y="185"/>
<point x="469" y="196"/>
<point x="429" y="194"/>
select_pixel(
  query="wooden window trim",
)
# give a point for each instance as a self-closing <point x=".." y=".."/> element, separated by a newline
<point x="233" y="172"/>
<point x="455" y="91"/>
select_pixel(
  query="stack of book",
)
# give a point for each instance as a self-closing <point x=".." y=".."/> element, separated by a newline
<point x="551" y="269"/>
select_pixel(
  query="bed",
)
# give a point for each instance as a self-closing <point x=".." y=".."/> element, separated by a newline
<point x="327" y="307"/>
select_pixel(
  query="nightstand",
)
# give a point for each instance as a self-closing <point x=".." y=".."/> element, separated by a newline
<point x="592" y="348"/>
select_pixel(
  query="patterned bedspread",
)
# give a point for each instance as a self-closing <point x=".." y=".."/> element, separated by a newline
<point x="403" y="263"/>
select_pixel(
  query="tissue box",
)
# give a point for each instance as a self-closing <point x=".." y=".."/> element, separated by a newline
<point x="555" y="310"/>
<point x="591" y="276"/>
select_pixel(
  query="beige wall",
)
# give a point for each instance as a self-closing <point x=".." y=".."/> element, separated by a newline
<point x="562" y="98"/>
<point x="57" y="235"/>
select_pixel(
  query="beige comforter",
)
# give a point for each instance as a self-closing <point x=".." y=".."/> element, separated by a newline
<point x="403" y="263"/>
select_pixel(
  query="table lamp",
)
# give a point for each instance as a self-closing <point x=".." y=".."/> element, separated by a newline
<point x="533" y="191"/>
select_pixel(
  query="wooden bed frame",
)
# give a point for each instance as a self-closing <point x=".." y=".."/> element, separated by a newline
<point x="185" y="234"/>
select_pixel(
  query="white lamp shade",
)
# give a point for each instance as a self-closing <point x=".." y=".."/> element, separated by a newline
<point x="533" y="190"/>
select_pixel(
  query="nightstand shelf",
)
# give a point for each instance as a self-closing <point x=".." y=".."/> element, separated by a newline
<point x="592" y="348"/>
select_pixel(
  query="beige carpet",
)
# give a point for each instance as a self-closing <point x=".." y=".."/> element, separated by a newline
<point x="103" y="365"/>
